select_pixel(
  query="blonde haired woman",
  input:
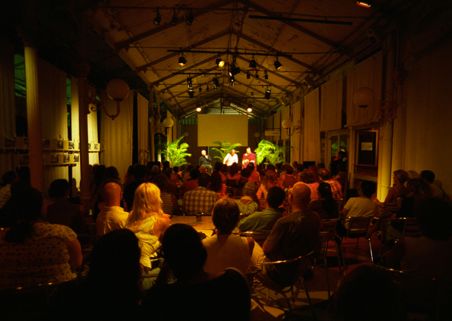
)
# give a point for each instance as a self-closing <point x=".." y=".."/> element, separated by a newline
<point x="148" y="222"/>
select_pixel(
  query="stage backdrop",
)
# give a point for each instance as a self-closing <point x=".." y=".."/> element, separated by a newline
<point x="225" y="128"/>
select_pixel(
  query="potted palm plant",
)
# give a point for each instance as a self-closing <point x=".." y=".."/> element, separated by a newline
<point x="270" y="152"/>
<point x="176" y="152"/>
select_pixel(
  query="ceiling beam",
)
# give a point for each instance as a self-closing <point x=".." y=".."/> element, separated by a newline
<point x="153" y="31"/>
<point x="193" y="45"/>
<point x="296" y="26"/>
<point x="270" y="48"/>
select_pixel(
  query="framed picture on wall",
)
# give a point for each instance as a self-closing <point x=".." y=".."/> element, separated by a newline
<point x="367" y="147"/>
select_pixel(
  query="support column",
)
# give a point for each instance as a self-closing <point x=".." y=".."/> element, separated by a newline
<point x="33" y="119"/>
<point x="85" y="193"/>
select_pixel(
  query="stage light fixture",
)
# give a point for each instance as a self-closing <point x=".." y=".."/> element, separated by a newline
<point x="268" y="93"/>
<point x="219" y="62"/>
<point x="191" y="92"/>
<point x="158" y="17"/>
<point x="253" y="63"/>
<point x="189" y="82"/>
<point x="249" y="109"/>
<point x="198" y="109"/>
<point x="182" y="60"/>
<point x="266" y="75"/>
<point x="277" y="64"/>
<point x="216" y="82"/>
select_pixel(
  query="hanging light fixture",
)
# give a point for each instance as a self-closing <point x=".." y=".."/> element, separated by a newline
<point x="182" y="60"/>
<point x="158" y="17"/>
<point x="266" y="75"/>
<point x="219" y="62"/>
<point x="117" y="90"/>
<point x="191" y="92"/>
<point x="253" y="63"/>
<point x="216" y="82"/>
<point x="277" y="64"/>
<point x="249" y="109"/>
<point x="268" y="93"/>
<point x="189" y="17"/>
<point x="198" y="109"/>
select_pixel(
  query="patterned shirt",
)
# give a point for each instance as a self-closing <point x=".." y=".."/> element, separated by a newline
<point x="199" y="200"/>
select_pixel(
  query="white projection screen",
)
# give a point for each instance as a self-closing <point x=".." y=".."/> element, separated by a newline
<point x="226" y="128"/>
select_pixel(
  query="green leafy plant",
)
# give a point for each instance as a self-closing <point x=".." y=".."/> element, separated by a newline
<point x="272" y="153"/>
<point x="176" y="152"/>
<point x="219" y="153"/>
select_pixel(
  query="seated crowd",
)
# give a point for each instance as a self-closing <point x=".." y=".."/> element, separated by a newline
<point x="130" y="245"/>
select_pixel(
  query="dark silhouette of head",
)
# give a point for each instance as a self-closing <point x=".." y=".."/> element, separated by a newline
<point x="324" y="190"/>
<point x="428" y="176"/>
<point x="226" y="214"/>
<point x="275" y="197"/>
<point x="59" y="188"/>
<point x="183" y="251"/>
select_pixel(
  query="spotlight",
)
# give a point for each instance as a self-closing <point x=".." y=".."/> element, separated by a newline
<point x="234" y="70"/>
<point x="232" y="80"/>
<point x="191" y="92"/>
<point x="266" y="75"/>
<point x="253" y="63"/>
<point x="189" y="82"/>
<point x="189" y="18"/>
<point x="216" y="82"/>
<point x="219" y="62"/>
<point x="198" y="109"/>
<point x="364" y="4"/>
<point x="158" y="17"/>
<point x="249" y="109"/>
<point x="277" y="64"/>
<point x="268" y="93"/>
<point x="182" y="60"/>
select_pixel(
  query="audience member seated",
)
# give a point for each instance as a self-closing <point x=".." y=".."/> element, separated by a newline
<point x="112" y="216"/>
<point x="217" y="185"/>
<point x="427" y="259"/>
<point x="368" y="293"/>
<point x="111" y="290"/>
<point x="363" y="206"/>
<point x="225" y="249"/>
<point x="307" y="176"/>
<point x="417" y="191"/>
<point x="33" y="251"/>
<point x="295" y="234"/>
<point x="62" y="210"/>
<point x="326" y="206"/>
<point x="193" y="293"/>
<point x="134" y="177"/>
<point x="287" y="178"/>
<point x="148" y="222"/>
<point x="8" y="178"/>
<point x="264" y="220"/>
<point x="199" y="200"/>
<point x="270" y="179"/>
<point x="395" y="194"/>
<point x="336" y="188"/>
<point x="435" y="186"/>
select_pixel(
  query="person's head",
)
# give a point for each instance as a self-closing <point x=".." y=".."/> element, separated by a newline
<point x="111" y="193"/>
<point x="204" y="180"/>
<point x="434" y="216"/>
<point x="248" y="150"/>
<point x="299" y="195"/>
<point x="418" y="188"/>
<point x="183" y="251"/>
<point x="368" y="188"/>
<point x="226" y="214"/>
<point x="115" y="263"/>
<point x="232" y="151"/>
<point x="428" y="176"/>
<point x="203" y="152"/>
<point x="275" y="197"/>
<point x="324" y="173"/>
<point x="59" y="188"/>
<point x="324" y="190"/>
<point x="368" y="293"/>
<point x="400" y="176"/>
<point x="111" y="172"/>
<point x="307" y="176"/>
<point x="146" y="200"/>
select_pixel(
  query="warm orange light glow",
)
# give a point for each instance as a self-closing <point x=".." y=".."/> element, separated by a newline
<point x="364" y="4"/>
<point x="198" y="109"/>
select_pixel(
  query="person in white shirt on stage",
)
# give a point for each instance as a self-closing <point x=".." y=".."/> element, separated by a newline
<point x="231" y="158"/>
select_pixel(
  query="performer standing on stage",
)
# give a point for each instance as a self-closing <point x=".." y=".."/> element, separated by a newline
<point x="231" y="158"/>
<point x="248" y="157"/>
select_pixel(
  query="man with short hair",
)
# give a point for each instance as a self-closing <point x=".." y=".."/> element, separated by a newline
<point x="297" y="233"/>
<point x="264" y="220"/>
<point x="231" y="158"/>
<point x="112" y="216"/>
<point x="200" y="200"/>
